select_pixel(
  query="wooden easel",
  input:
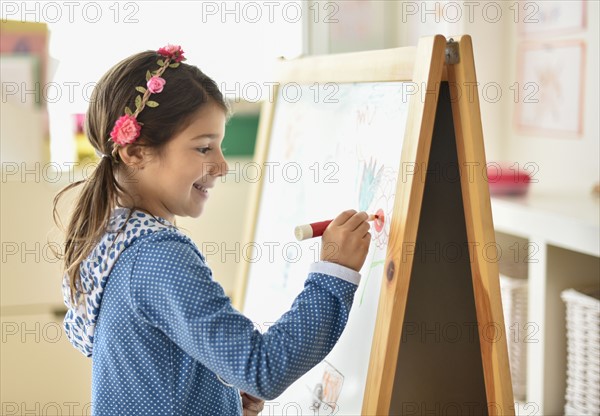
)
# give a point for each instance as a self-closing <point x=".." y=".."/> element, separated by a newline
<point x="439" y="345"/>
<point x="419" y="364"/>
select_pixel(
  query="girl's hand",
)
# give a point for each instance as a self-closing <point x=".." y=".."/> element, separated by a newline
<point x="252" y="405"/>
<point x="346" y="240"/>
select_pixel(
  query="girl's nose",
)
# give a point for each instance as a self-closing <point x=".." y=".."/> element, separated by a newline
<point x="224" y="168"/>
<point x="218" y="168"/>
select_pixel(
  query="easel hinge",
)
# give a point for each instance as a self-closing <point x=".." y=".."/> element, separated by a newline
<point x="452" y="55"/>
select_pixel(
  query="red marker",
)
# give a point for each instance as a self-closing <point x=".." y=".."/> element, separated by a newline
<point x="316" y="229"/>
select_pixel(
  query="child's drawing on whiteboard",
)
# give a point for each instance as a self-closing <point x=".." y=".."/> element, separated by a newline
<point x="369" y="183"/>
<point x="347" y="153"/>
<point x="365" y="115"/>
<point x="383" y="204"/>
<point x="376" y="195"/>
<point x="326" y="393"/>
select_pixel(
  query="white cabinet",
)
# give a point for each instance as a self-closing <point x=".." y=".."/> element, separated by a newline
<point x="558" y="239"/>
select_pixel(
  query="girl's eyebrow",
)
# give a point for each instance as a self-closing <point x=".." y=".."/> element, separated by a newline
<point x="205" y="136"/>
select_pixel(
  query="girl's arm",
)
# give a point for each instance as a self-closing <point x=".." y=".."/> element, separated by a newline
<point x="173" y="290"/>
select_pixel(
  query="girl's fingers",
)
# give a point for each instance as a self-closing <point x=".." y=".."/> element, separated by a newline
<point x="363" y="229"/>
<point x="343" y="217"/>
<point x="357" y="220"/>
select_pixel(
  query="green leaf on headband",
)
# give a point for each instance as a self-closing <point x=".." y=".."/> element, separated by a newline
<point x="140" y="89"/>
<point x="138" y="102"/>
<point x="174" y="65"/>
<point x="151" y="103"/>
<point x="148" y="75"/>
<point x="160" y="62"/>
<point x="128" y="111"/>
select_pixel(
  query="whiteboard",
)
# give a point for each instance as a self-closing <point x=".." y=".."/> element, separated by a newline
<point x="332" y="147"/>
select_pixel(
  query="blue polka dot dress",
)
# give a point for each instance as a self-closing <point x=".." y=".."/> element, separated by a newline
<point x="165" y="339"/>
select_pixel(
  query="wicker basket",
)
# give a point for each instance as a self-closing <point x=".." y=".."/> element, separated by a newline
<point x="514" y="304"/>
<point x="583" y="351"/>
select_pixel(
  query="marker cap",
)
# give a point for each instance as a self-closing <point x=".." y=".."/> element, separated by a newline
<point x="302" y="232"/>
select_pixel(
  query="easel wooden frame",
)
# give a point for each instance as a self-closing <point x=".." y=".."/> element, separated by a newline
<point x="426" y="66"/>
<point x="478" y="218"/>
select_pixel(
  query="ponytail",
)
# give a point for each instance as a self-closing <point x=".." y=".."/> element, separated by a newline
<point x="90" y="216"/>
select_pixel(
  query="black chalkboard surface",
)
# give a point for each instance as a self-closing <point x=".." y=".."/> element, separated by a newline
<point x="439" y="364"/>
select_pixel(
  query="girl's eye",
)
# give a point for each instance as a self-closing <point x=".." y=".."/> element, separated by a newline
<point x="203" y="150"/>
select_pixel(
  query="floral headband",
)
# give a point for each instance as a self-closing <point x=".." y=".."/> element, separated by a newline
<point x="127" y="128"/>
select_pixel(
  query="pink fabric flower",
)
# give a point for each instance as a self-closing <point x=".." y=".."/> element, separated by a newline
<point x="172" y="51"/>
<point x="156" y="84"/>
<point x="126" y="130"/>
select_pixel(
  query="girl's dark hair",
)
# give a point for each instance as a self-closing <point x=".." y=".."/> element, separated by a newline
<point x="187" y="89"/>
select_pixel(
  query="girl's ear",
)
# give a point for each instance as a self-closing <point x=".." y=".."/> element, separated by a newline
<point x="133" y="155"/>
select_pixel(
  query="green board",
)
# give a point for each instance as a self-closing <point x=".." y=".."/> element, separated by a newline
<point x="240" y="135"/>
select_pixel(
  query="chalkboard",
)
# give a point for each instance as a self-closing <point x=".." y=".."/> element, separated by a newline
<point x="366" y="131"/>
<point x="440" y="347"/>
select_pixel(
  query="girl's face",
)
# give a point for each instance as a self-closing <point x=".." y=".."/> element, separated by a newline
<point x="179" y="182"/>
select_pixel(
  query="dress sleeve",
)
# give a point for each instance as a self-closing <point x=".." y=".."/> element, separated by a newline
<point x="173" y="290"/>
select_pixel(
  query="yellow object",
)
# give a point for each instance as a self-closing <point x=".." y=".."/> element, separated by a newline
<point x="85" y="151"/>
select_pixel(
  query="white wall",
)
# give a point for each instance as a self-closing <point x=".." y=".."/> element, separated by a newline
<point x="564" y="165"/>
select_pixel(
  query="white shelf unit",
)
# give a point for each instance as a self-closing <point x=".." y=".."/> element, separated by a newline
<point x="560" y="236"/>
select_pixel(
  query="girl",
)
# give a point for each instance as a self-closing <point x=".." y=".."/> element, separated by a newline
<point x="163" y="337"/>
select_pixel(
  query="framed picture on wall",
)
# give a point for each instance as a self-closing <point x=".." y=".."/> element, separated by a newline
<point x="550" y="17"/>
<point x="356" y="33"/>
<point x="550" y="88"/>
